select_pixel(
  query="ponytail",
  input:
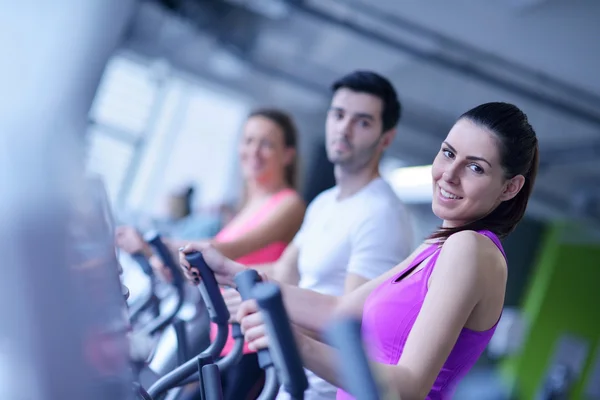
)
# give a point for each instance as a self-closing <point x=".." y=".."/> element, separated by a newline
<point x="520" y="155"/>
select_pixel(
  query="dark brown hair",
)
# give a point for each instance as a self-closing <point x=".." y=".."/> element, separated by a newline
<point x="376" y="85"/>
<point x="519" y="155"/>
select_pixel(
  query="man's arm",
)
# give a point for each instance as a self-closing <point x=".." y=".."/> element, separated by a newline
<point x="318" y="357"/>
<point x="452" y="296"/>
<point x="353" y="281"/>
<point x="378" y="244"/>
<point x="285" y="270"/>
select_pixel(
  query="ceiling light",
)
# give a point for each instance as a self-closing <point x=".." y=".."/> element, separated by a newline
<point x="412" y="184"/>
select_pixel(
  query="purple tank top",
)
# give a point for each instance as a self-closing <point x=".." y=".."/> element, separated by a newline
<point x="390" y="312"/>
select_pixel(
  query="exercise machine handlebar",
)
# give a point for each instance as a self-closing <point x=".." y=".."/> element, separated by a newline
<point x="150" y="298"/>
<point x="211" y="381"/>
<point x="355" y="372"/>
<point x="143" y="262"/>
<point x="154" y="239"/>
<point x="157" y="325"/>
<point x="209" y="288"/>
<point x="245" y="282"/>
<point x="232" y="358"/>
<point x="282" y="344"/>
<point x="219" y="314"/>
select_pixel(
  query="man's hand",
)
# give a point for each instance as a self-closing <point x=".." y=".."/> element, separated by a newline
<point x="253" y="326"/>
<point x="233" y="300"/>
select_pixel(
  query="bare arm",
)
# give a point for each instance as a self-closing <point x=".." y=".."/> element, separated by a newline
<point x="312" y="311"/>
<point x="459" y="282"/>
<point x="373" y="256"/>
<point x="352" y="304"/>
<point x="330" y="304"/>
<point x="280" y="226"/>
<point x="468" y="268"/>
<point x="353" y="282"/>
<point x="285" y="270"/>
<point x="324" y="361"/>
<point x="318" y="357"/>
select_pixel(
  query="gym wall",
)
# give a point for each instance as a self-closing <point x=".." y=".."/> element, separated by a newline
<point x="319" y="172"/>
<point x="522" y="248"/>
<point x="559" y="307"/>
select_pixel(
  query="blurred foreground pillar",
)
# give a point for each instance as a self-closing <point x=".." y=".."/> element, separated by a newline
<point x="53" y="55"/>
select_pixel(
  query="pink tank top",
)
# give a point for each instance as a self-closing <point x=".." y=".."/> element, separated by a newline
<point x="267" y="254"/>
<point x="390" y="312"/>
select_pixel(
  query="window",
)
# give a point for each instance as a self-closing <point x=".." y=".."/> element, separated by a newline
<point x="120" y="119"/>
<point x="110" y="157"/>
<point x="150" y="133"/>
<point x="125" y="96"/>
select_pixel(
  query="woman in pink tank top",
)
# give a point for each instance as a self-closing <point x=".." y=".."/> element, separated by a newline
<point x="269" y="217"/>
<point x="244" y="380"/>
<point x="271" y="214"/>
<point x="427" y="321"/>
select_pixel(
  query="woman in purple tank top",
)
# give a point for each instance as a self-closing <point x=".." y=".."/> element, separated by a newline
<point x="427" y="321"/>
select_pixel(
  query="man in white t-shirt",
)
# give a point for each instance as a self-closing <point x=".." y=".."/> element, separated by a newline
<point x="359" y="229"/>
<point x="344" y="243"/>
<point x="364" y="234"/>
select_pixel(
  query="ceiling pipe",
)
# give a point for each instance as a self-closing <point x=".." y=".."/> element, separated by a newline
<point x="580" y="153"/>
<point x="472" y="52"/>
<point x="460" y="66"/>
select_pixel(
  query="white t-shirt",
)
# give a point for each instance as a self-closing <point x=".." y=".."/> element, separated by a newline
<point x="365" y="234"/>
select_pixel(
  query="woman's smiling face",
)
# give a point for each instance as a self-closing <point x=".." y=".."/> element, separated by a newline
<point x="468" y="178"/>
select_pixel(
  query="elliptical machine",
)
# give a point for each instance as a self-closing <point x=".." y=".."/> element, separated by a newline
<point x="146" y="338"/>
<point x="355" y="372"/>
<point x="281" y="361"/>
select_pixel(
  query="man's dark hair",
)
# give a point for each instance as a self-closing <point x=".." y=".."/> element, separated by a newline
<point x="376" y="85"/>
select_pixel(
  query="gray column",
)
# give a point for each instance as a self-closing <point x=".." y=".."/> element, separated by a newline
<point x="55" y="309"/>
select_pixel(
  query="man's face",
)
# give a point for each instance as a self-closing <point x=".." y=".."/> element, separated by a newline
<point x="354" y="129"/>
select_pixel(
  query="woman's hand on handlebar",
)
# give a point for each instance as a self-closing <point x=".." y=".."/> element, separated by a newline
<point x="253" y="326"/>
<point x="223" y="268"/>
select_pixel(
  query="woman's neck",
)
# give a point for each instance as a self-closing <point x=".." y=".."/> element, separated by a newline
<point x="450" y="224"/>
<point x="257" y="190"/>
